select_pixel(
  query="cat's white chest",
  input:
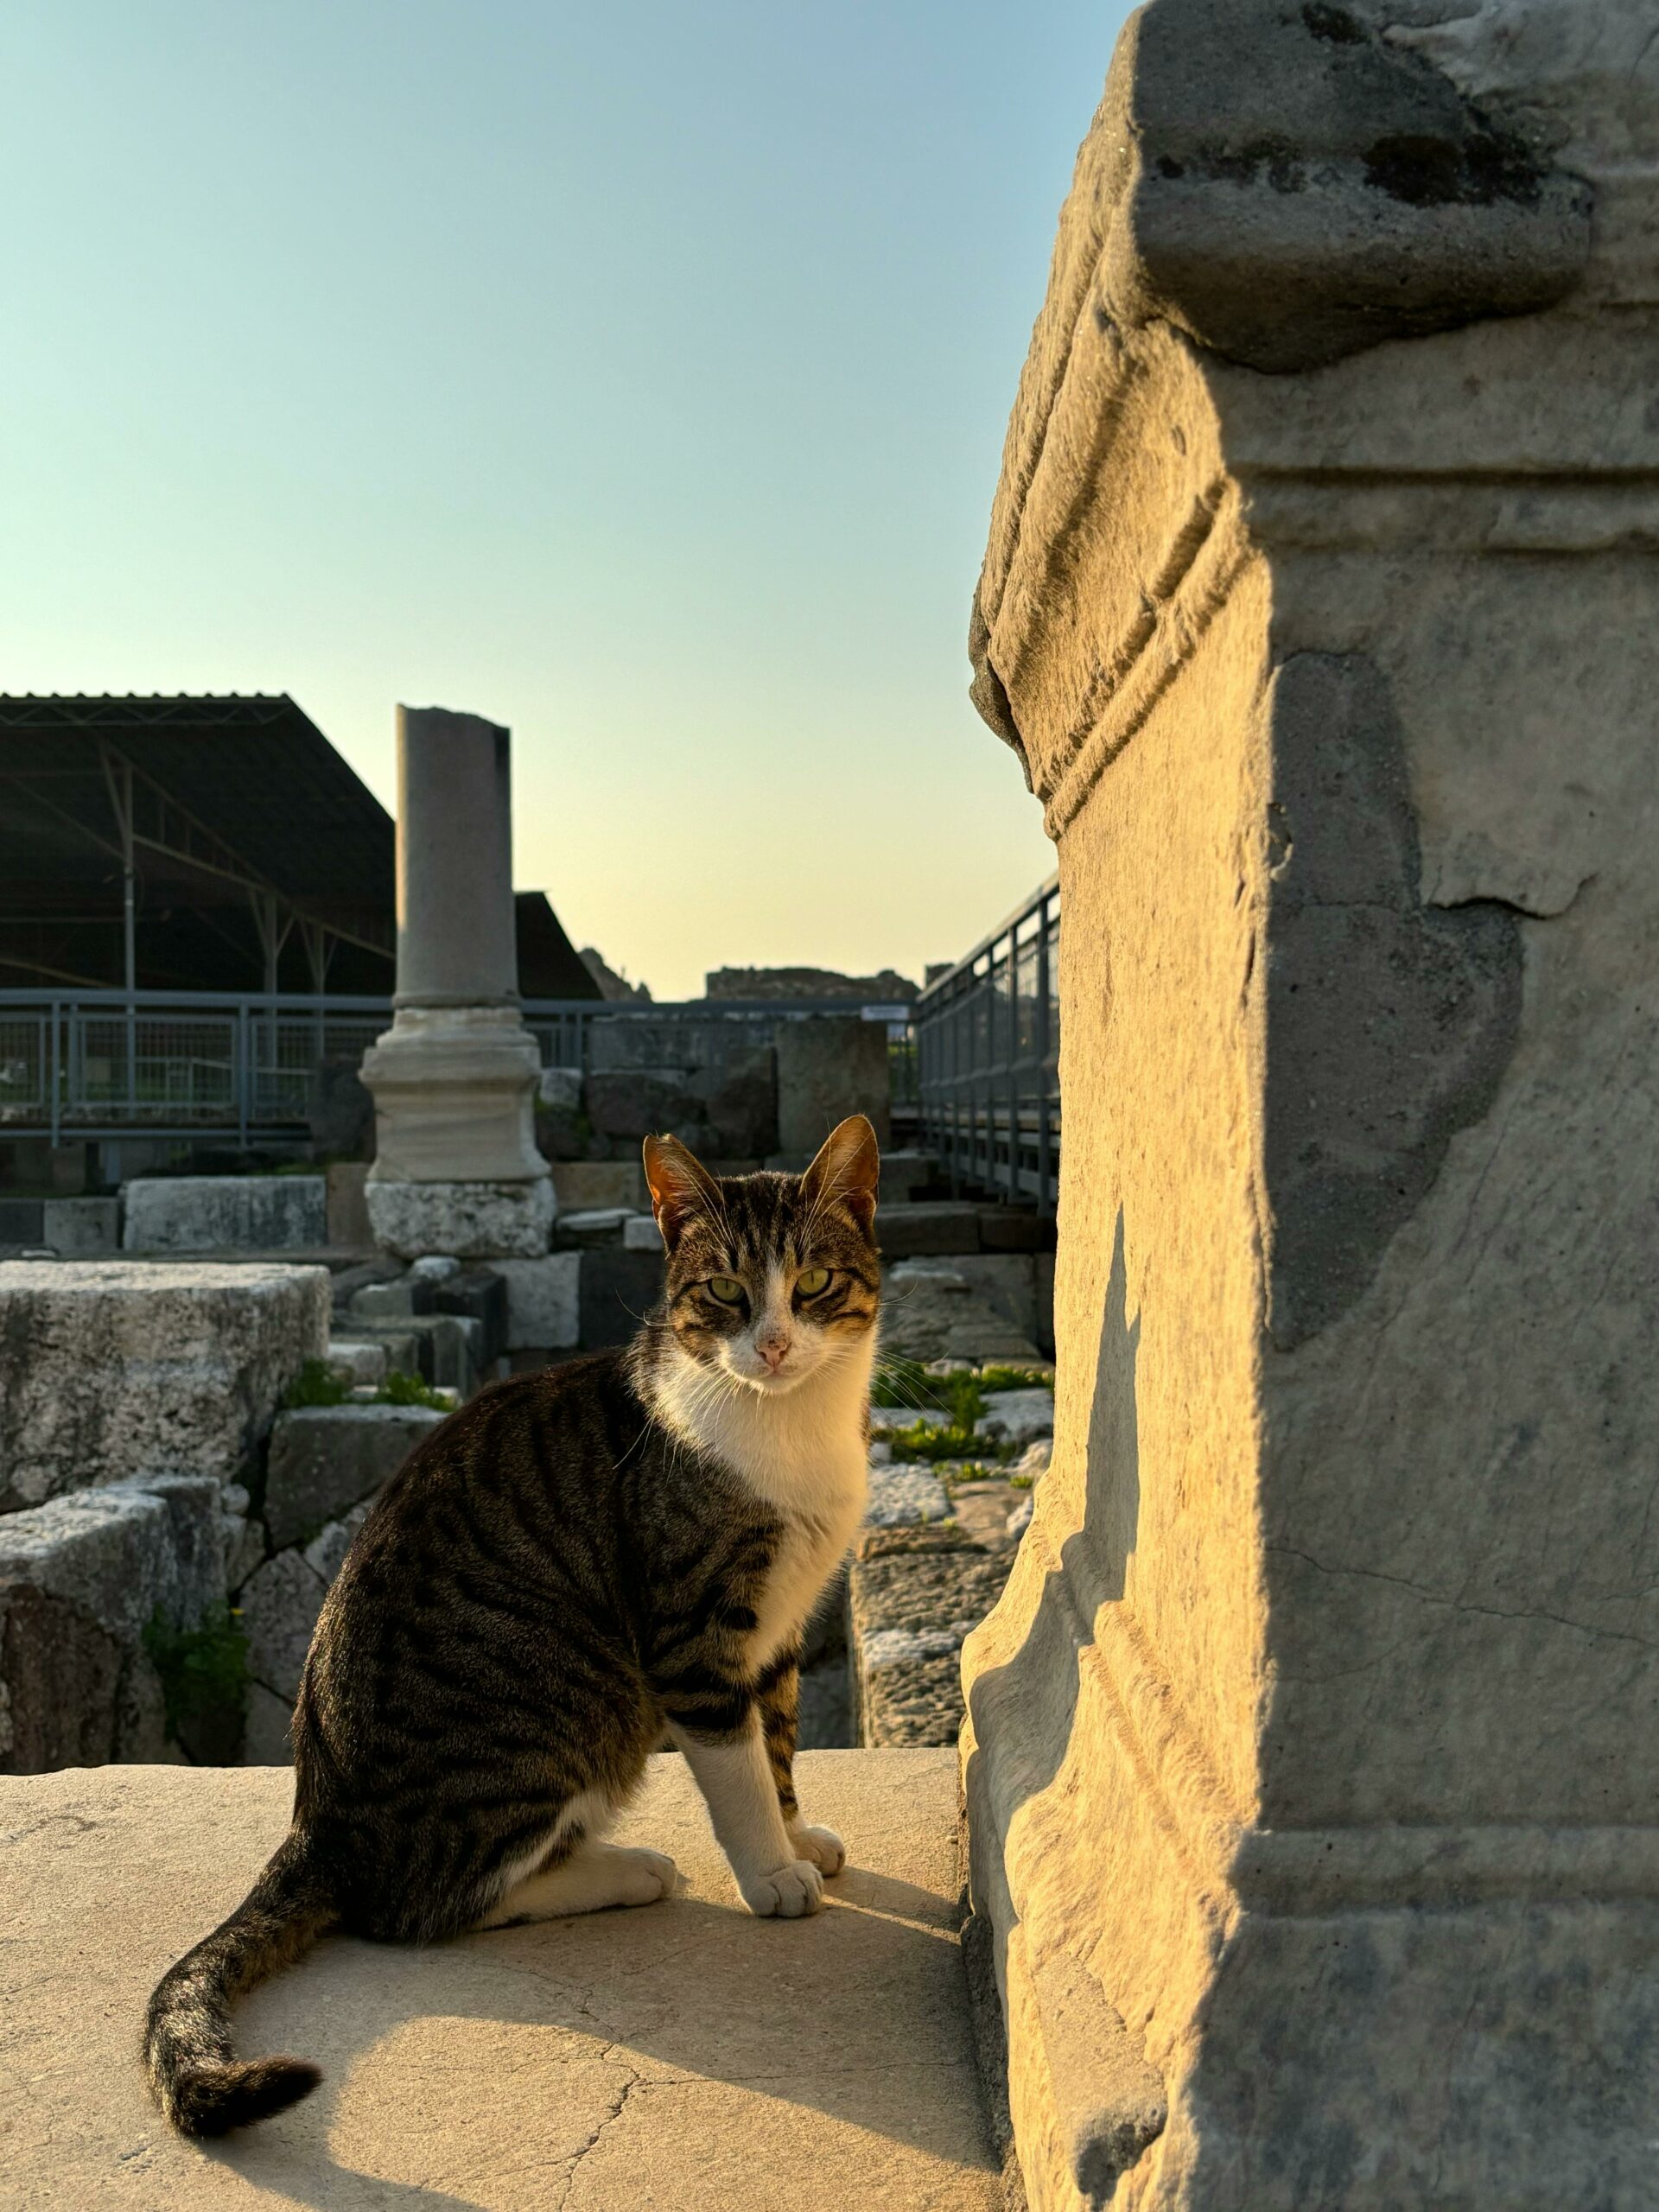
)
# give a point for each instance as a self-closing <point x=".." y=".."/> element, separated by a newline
<point x="805" y="1457"/>
<point x="808" y="1556"/>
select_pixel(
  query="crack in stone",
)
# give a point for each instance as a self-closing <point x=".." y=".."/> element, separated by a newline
<point x="634" y="2080"/>
<point x="1466" y="1604"/>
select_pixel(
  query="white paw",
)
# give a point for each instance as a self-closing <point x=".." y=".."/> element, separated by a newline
<point x="822" y="1846"/>
<point x="647" y="1875"/>
<point x="787" y="1893"/>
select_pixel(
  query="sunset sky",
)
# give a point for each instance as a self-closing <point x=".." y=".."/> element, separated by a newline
<point x="636" y="376"/>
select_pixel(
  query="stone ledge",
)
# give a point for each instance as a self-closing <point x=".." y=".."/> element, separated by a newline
<point x="680" y="2055"/>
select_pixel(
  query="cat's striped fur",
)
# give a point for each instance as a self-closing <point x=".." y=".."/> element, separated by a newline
<point x="579" y="1563"/>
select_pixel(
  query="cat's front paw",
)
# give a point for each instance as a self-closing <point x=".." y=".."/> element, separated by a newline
<point x="822" y="1846"/>
<point x="786" y="1893"/>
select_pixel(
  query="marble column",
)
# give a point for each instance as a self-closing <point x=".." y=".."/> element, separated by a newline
<point x="456" y="1169"/>
<point x="1310" y="1752"/>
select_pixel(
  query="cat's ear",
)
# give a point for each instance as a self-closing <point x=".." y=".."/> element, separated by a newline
<point x="680" y="1185"/>
<point x="847" y="1170"/>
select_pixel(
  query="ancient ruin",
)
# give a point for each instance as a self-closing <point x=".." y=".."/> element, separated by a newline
<point x="1309" y="1762"/>
<point x="456" y="1170"/>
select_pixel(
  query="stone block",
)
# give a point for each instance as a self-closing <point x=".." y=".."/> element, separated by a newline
<point x="325" y="1458"/>
<point x="953" y="1309"/>
<point x="636" y="1103"/>
<point x="738" y="1102"/>
<point x="449" y="1355"/>
<point x="279" y="1610"/>
<point x="402" y="1348"/>
<point x="346" y="1209"/>
<point x="478" y="1294"/>
<point x="939" y="1226"/>
<point x="246" y="1547"/>
<point x="905" y="1494"/>
<point x="617" y="1288"/>
<point x="224" y="1213"/>
<point x="22" y="1221"/>
<point x="81" y="1579"/>
<point x="325" y="1553"/>
<point x="399" y="1300"/>
<point x="623" y="2046"/>
<point x="80" y="1228"/>
<point x="472" y="1221"/>
<point x="619" y="1042"/>
<point x="830" y="1065"/>
<point x="267" y="1739"/>
<point x="906" y="1174"/>
<point x="1014" y="1228"/>
<point x="641" y="1234"/>
<point x="118" y="1367"/>
<point x="544" y="1301"/>
<point x="357" y="1360"/>
<point x="915" y="1594"/>
<point x="585" y="1183"/>
<point x="560" y="1088"/>
<point x="1016" y="1416"/>
<point x="338" y="1111"/>
<point x="593" y="1225"/>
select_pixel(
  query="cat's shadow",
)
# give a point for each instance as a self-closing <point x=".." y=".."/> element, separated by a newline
<point x="860" y="2014"/>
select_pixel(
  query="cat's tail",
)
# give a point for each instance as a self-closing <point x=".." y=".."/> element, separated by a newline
<point x="199" y="2083"/>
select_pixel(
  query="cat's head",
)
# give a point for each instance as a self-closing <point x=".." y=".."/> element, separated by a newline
<point x="772" y="1279"/>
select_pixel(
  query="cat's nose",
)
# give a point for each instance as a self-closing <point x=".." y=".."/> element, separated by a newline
<point x="773" y="1350"/>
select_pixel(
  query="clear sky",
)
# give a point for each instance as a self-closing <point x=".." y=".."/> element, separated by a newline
<point x="634" y="374"/>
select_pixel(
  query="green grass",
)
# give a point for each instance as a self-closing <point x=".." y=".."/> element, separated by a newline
<point x="992" y="1379"/>
<point x="901" y="1382"/>
<point x="399" y="1390"/>
<point x="316" y="1384"/>
<point x="204" y="1675"/>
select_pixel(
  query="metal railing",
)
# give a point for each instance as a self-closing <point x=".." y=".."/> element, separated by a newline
<point x="110" y="1064"/>
<point x="987" y="1044"/>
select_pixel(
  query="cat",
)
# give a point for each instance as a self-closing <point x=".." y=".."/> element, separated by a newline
<point x="580" y="1563"/>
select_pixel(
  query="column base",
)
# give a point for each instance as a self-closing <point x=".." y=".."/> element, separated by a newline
<point x="467" y="1221"/>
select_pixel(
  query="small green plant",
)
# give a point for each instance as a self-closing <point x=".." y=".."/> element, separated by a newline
<point x="204" y="1677"/>
<point x="316" y="1384"/>
<point x="900" y="1381"/>
<point x="400" y="1389"/>
<point x="992" y="1379"/>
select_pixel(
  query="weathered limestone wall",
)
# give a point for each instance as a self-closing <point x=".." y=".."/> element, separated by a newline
<point x="1310" y="1752"/>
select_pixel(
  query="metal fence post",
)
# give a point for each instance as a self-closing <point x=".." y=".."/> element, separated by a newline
<point x="242" y="1075"/>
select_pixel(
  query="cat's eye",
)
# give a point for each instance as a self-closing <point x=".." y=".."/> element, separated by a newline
<point x="726" y="1289"/>
<point x="812" y="1280"/>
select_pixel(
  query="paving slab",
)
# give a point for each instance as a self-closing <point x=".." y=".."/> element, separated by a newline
<point x="677" y="2056"/>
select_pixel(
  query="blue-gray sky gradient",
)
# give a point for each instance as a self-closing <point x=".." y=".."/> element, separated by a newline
<point x="637" y="376"/>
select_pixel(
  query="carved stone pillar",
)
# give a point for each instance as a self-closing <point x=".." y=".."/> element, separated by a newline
<point x="1311" y="1753"/>
<point x="455" y="1168"/>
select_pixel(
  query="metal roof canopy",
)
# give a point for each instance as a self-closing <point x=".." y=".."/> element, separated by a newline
<point x="235" y="811"/>
<point x="99" y="794"/>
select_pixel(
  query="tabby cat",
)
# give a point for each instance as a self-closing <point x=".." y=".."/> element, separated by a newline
<point x="580" y="1563"/>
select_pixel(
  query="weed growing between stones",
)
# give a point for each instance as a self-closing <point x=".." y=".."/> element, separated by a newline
<point x="204" y="1677"/>
<point x="317" y="1385"/>
<point x="400" y="1389"/>
<point x="960" y="1392"/>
